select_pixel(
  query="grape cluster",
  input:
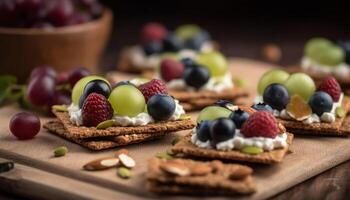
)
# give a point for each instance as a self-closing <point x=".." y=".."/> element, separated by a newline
<point x="47" y="88"/>
<point x="47" y="13"/>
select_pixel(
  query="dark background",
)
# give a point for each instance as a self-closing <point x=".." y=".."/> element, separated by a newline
<point x="241" y="27"/>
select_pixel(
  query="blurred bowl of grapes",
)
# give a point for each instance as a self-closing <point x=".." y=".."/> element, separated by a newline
<point x="61" y="33"/>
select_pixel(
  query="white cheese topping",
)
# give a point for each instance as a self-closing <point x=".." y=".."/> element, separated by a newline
<point x="342" y="70"/>
<point x="75" y="115"/>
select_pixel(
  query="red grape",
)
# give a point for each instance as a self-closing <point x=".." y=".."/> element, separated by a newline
<point x="41" y="90"/>
<point x="61" y="97"/>
<point x="77" y="74"/>
<point x="43" y="71"/>
<point x="7" y="12"/>
<point x="61" y="12"/>
<point x="24" y="125"/>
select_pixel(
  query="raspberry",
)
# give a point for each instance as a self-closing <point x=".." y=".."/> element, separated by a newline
<point x="96" y="109"/>
<point x="153" y="32"/>
<point x="331" y="86"/>
<point x="260" y="124"/>
<point x="155" y="86"/>
<point x="171" y="69"/>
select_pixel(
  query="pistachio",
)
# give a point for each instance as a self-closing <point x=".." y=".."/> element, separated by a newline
<point x="164" y="155"/>
<point x="123" y="172"/>
<point x="106" y="124"/>
<point x="340" y="112"/>
<point x="185" y="117"/>
<point x="251" y="150"/>
<point x="60" y="151"/>
<point x="239" y="82"/>
<point x="176" y="140"/>
<point x="60" y="108"/>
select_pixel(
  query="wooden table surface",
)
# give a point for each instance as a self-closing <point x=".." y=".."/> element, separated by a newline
<point x="332" y="184"/>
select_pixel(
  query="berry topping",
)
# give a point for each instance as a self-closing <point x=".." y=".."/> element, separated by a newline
<point x="172" y="43"/>
<point x="127" y="100"/>
<point x="321" y="102"/>
<point x="188" y="62"/>
<point x="276" y="95"/>
<point x="161" y="107"/>
<point x="196" y="76"/>
<point x="24" y="125"/>
<point x="153" y="47"/>
<point x="153" y="87"/>
<point x="298" y="109"/>
<point x="222" y="129"/>
<point x="331" y="86"/>
<point x="260" y="124"/>
<point x="153" y="32"/>
<point x="96" y="86"/>
<point x="171" y="69"/>
<point x="96" y="109"/>
<point x="196" y="42"/>
<point x="239" y="117"/>
<point x="262" y="106"/>
<point x="203" y="131"/>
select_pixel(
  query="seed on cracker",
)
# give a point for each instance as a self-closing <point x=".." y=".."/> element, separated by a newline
<point x="340" y="112"/>
<point x="175" y="168"/>
<point x="59" y="108"/>
<point x="127" y="161"/>
<point x="101" y="164"/>
<point x="298" y="109"/>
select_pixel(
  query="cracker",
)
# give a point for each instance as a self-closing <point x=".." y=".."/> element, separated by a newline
<point x="154" y="128"/>
<point x="340" y="127"/>
<point x="185" y="146"/>
<point x="225" y="179"/>
<point x="56" y="127"/>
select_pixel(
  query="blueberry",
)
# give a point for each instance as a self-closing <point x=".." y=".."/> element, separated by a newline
<point x="161" y="107"/>
<point x="196" y="42"/>
<point x="172" y="43"/>
<point x="321" y="102"/>
<point x="153" y="47"/>
<point x="345" y="45"/>
<point x="276" y="95"/>
<point x="196" y="76"/>
<point x="225" y="104"/>
<point x="188" y="62"/>
<point x="203" y="131"/>
<point x="97" y="86"/>
<point x="222" y="129"/>
<point x="239" y="117"/>
<point x="262" y="106"/>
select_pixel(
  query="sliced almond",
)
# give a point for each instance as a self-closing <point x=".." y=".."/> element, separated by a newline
<point x="101" y="164"/>
<point x="201" y="170"/>
<point x="121" y="151"/>
<point x="127" y="161"/>
<point x="175" y="168"/>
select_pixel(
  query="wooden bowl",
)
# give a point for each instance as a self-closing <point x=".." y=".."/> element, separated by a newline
<point x="62" y="48"/>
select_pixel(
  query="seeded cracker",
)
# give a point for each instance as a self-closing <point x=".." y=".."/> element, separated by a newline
<point x="220" y="179"/>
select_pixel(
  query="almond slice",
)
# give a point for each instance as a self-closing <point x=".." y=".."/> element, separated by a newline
<point x="101" y="164"/>
<point x="201" y="170"/>
<point x="175" y="168"/>
<point x="127" y="161"/>
<point x="121" y="151"/>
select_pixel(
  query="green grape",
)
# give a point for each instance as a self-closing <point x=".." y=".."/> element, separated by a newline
<point x="331" y="56"/>
<point x="215" y="62"/>
<point x="315" y="46"/>
<point x="300" y="84"/>
<point x="127" y="100"/>
<point x="78" y="88"/>
<point x="187" y="31"/>
<point x="269" y="77"/>
<point x="213" y="112"/>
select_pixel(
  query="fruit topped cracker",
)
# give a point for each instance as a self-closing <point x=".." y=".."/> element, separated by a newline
<point x="229" y="132"/>
<point x="302" y="107"/>
<point x="157" y="42"/>
<point x="102" y="116"/>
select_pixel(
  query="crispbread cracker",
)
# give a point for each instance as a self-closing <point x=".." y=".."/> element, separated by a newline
<point x="224" y="179"/>
<point x="340" y="127"/>
<point x="185" y="146"/>
<point x="56" y="127"/>
<point x="154" y="128"/>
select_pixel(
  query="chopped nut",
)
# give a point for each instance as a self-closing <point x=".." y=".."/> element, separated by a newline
<point x="201" y="170"/>
<point x="60" y="151"/>
<point x="127" y="161"/>
<point x="175" y="168"/>
<point x="298" y="109"/>
<point x="101" y="164"/>
<point x="272" y="53"/>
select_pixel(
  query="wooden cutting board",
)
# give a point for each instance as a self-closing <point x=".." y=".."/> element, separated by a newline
<point x="40" y="171"/>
